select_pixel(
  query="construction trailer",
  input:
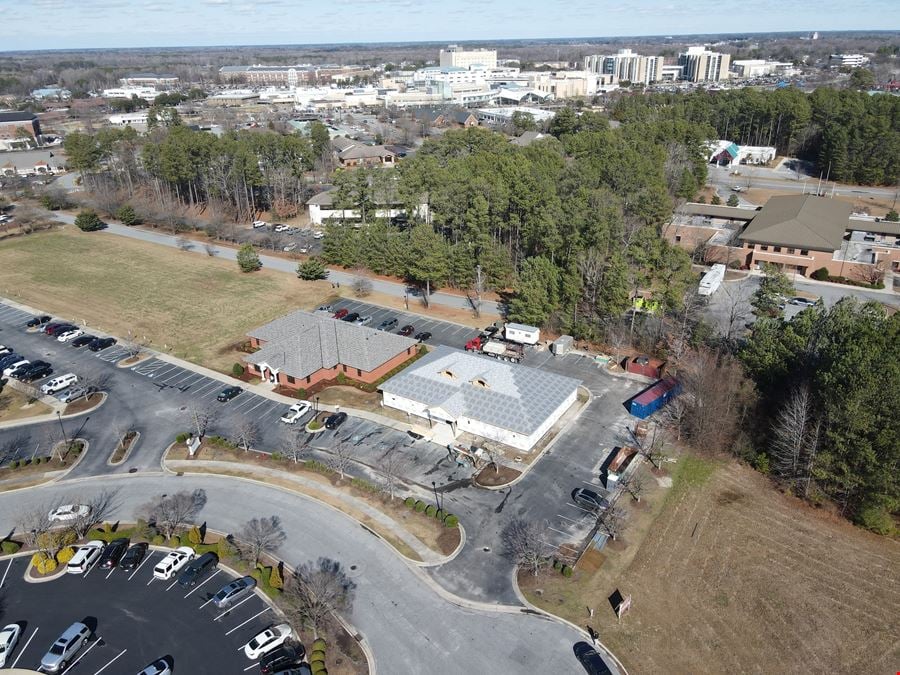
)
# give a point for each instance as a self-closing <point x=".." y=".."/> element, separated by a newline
<point x="712" y="279"/>
<point x="653" y="398"/>
<point x="522" y="334"/>
<point x="562" y="345"/>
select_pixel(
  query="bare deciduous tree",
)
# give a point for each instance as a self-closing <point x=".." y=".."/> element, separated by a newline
<point x="392" y="464"/>
<point x="200" y="417"/>
<point x="618" y="338"/>
<point x="634" y="485"/>
<point x="14" y="447"/>
<point x="35" y="522"/>
<point x="612" y="521"/>
<point x="295" y="445"/>
<point x="362" y="287"/>
<point x="259" y="536"/>
<point x="100" y="506"/>
<point x="737" y="307"/>
<point x="341" y="457"/>
<point x="524" y="544"/>
<point x="93" y="383"/>
<point x="171" y="512"/>
<point x="246" y="433"/>
<point x="317" y="591"/>
<point x="795" y="439"/>
<point x="134" y="345"/>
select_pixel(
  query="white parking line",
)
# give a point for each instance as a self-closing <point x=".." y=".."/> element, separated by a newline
<point x="196" y="588"/>
<point x="160" y="373"/>
<point x="233" y="607"/>
<point x="173" y="583"/>
<point x="140" y="566"/>
<point x="190" y="377"/>
<point x="204" y="386"/>
<point x="173" y="377"/>
<point x="244" y="623"/>
<point x="565" y="534"/>
<point x="6" y="572"/>
<point x="111" y="662"/>
<point x="81" y="656"/>
<point x="571" y="520"/>
<point x="110" y="572"/>
<point x="263" y="402"/>
<point x="152" y="579"/>
<point x="22" y="651"/>
<point x="207" y="602"/>
<point x="251" y="667"/>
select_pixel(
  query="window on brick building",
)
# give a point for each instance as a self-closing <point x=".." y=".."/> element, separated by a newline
<point x="763" y="248"/>
<point x="777" y="249"/>
<point x="290" y="379"/>
<point x="803" y="251"/>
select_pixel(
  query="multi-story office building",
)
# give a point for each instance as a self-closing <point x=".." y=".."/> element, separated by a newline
<point x="626" y="66"/>
<point x="149" y="80"/>
<point x="850" y="60"/>
<point x="701" y="65"/>
<point x="457" y="57"/>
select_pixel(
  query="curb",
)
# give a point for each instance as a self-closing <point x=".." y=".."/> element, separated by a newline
<point x="57" y="475"/>
<point x="51" y="417"/>
<point x="559" y="619"/>
<point x="128" y="452"/>
<point x="60" y="572"/>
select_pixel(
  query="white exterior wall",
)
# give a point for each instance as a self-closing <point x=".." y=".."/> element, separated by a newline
<point x="318" y="213"/>
<point x="478" y="428"/>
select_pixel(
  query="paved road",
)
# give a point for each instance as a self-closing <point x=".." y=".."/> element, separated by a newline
<point x="406" y="622"/>
<point x="393" y="288"/>
<point x="788" y="181"/>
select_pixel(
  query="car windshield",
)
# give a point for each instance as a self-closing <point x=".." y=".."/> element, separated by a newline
<point x="57" y="649"/>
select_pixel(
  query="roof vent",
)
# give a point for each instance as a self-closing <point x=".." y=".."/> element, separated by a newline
<point x="480" y="382"/>
<point x="448" y="374"/>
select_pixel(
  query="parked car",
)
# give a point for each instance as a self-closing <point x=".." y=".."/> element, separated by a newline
<point x="388" y="324"/>
<point x="259" y="223"/>
<point x="363" y="321"/>
<point x="113" y="553"/>
<point x="228" y="393"/>
<point x="14" y="366"/>
<point x="68" y="512"/>
<point x="326" y="308"/>
<point x="295" y="412"/>
<point x="38" y="321"/>
<point x="318" y="234"/>
<point x="35" y="371"/>
<point x="590" y="659"/>
<point x="70" y="335"/>
<point x="802" y="302"/>
<point x="233" y="592"/>
<point x="341" y="313"/>
<point x="197" y="569"/>
<point x="72" y="393"/>
<point x="59" y="383"/>
<point x="289" y="248"/>
<point x="9" y="638"/>
<point x="173" y="562"/>
<point x="279" y="227"/>
<point x="589" y="499"/>
<point x="54" y="329"/>
<point x="5" y="351"/>
<point x="83" y="340"/>
<point x="66" y="646"/>
<point x="351" y="317"/>
<point x="303" y="249"/>
<point x="158" y="667"/>
<point x="267" y="640"/>
<point x="282" y="657"/>
<point x="407" y="330"/>
<point x="85" y="557"/>
<point x="335" y="420"/>
<point x="424" y="336"/>
<point x="133" y="556"/>
<point x="10" y="360"/>
<point x="99" y="344"/>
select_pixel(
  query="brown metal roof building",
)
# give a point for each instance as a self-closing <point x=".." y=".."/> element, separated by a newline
<point x="800" y="221"/>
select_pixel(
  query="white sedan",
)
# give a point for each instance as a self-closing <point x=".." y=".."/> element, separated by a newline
<point x="70" y="335"/>
<point x="268" y="640"/>
<point x="70" y="512"/>
<point x="170" y="565"/>
<point x="9" y="638"/>
<point x="295" y="412"/>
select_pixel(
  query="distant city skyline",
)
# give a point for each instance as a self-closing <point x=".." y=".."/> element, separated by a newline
<point x="85" y="24"/>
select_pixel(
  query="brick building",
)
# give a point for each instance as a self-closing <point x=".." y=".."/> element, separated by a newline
<point x="19" y="129"/>
<point x="303" y="348"/>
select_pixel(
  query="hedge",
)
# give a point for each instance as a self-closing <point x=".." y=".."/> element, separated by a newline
<point x="195" y="536"/>
<point x="410" y="502"/>
<point x="225" y="548"/>
<point x="65" y="555"/>
<point x="430" y="510"/>
<point x="8" y="547"/>
<point x="237" y="370"/>
<point x="451" y="521"/>
<point x="43" y="563"/>
<point x="319" y="645"/>
<point x="420" y="506"/>
<point x="158" y="540"/>
<point x="182" y="437"/>
<point x="317" y="667"/>
<point x="174" y="542"/>
<point x="566" y="571"/>
<point x="317" y="655"/>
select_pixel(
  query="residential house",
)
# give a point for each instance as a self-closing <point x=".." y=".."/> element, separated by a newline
<point x="366" y="155"/>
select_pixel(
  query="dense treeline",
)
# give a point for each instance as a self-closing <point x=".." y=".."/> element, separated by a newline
<point x="827" y="388"/>
<point x="572" y="223"/>
<point x="852" y="136"/>
<point x="239" y="172"/>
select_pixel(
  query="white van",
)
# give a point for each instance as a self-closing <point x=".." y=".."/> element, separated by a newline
<point x="59" y="383"/>
<point x="85" y="557"/>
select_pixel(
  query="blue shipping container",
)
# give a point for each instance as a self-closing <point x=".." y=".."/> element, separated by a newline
<point x="653" y="398"/>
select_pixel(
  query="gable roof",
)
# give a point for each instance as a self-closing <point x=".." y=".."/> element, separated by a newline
<point x="800" y="221"/>
<point x="341" y="143"/>
<point x="365" y="152"/>
<point x="527" y="138"/>
<point x="512" y="396"/>
<point x="302" y="343"/>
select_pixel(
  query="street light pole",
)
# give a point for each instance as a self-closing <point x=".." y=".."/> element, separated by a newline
<point x="438" y="503"/>
<point x="62" y="428"/>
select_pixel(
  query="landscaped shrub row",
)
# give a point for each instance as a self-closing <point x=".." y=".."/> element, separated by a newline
<point x="431" y="510"/>
<point x="43" y="563"/>
<point x="317" y="657"/>
<point x="8" y="547"/>
<point x="822" y="274"/>
<point x="364" y="485"/>
<point x="21" y="463"/>
<point x="562" y="568"/>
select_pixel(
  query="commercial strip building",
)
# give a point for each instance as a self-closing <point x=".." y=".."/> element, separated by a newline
<point x="322" y="208"/>
<point x="148" y="93"/>
<point x="728" y="153"/>
<point x="504" y="115"/>
<point x="464" y="392"/>
<point x="19" y="130"/>
<point x="149" y="80"/>
<point x="745" y="68"/>
<point x="290" y="76"/>
<point x="304" y="348"/>
<point x="799" y="234"/>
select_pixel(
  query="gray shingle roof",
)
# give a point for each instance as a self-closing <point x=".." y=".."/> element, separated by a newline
<point x="513" y="397"/>
<point x="800" y="221"/>
<point x="365" y="152"/>
<point x="301" y="343"/>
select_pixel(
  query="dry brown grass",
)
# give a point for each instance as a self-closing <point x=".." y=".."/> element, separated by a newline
<point x="195" y="307"/>
<point x="736" y="577"/>
<point x="876" y="206"/>
<point x="14" y="405"/>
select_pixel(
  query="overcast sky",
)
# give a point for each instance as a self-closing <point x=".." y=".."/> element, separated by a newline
<point x="64" y="24"/>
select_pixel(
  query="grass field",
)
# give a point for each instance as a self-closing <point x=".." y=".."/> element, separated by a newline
<point x="192" y="306"/>
<point x="14" y="406"/>
<point x="733" y="576"/>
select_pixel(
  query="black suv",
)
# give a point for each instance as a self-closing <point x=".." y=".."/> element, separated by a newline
<point x="283" y="657"/>
<point x="35" y="371"/>
<point x="37" y="321"/>
<point x="336" y="420"/>
<point x="197" y="569"/>
<point x="99" y="344"/>
<point x="228" y="393"/>
<point x="83" y="340"/>
<point x="113" y="553"/>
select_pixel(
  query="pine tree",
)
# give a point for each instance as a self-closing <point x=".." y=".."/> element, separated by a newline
<point x="248" y="259"/>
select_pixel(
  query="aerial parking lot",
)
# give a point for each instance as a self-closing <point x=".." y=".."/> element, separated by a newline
<point x="135" y="619"/>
